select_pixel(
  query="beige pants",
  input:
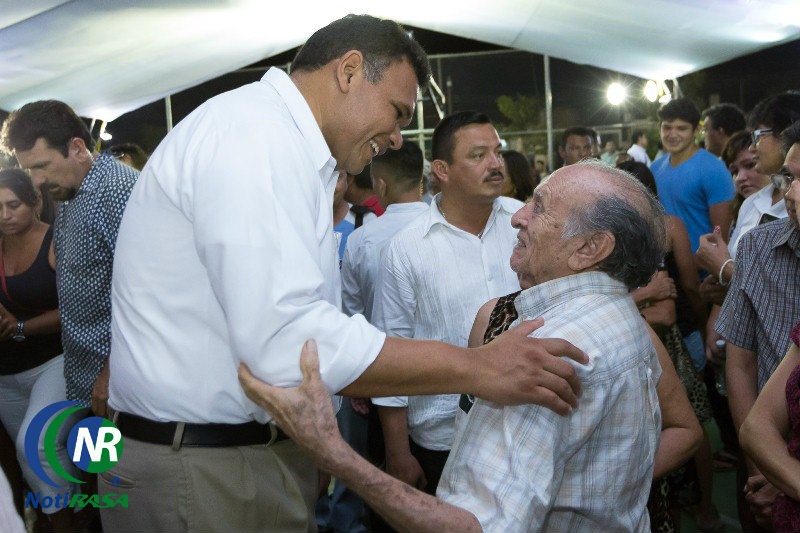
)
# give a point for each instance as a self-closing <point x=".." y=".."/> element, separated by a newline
<point x="237" y="489"/>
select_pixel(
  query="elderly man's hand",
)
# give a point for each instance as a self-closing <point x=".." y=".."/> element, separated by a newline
<point x="711" y="291"/>
<point x="305" y="413"/>
<point x="515" y="369"/>
<point x="712" y="252"/>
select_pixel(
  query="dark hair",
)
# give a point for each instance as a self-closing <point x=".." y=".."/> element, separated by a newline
<point x="382" y="42"/>
<point x="636" y="135"/>
<point x="791" y="136"/>
<point x="442" y="142"/>
<point x="363" y="180"/>
<point x="726" y="116"/>
<point x="51" y="120"/>
<point x="18" y="182"/>
<point x="138" y="156"/>
<point x="777" y="112"/>
<point x="403" y="166"/>
<point x="640" y="172"/>
<point x="639" y="232"/>
<point x="680" y="109"/>
<point x="578" y="131"/>
<point x="735" y="144"/>
<point x="520" y="174"/>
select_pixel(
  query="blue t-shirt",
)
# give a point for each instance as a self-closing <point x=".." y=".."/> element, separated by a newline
<point x="688" y="190"/>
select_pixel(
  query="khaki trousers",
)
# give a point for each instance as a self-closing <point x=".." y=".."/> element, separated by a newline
<point x="233" y="489"/>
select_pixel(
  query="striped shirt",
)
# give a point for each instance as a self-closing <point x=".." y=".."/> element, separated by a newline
<point x="525" y="468"/>
<point x="762" y="303"/>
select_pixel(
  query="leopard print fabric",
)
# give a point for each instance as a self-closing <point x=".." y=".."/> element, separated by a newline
<point x="503" y="315"/>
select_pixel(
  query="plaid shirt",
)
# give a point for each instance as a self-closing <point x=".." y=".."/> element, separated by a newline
<point x="525" y="468"/>
<point x="762" y="303"/>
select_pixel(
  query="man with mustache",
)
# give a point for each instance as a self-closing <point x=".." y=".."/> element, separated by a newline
<point x="435" y="275"/>
<point x="54" y="145"/>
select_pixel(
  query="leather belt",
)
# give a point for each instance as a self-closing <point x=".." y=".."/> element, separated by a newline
<point x="177" y="434"/>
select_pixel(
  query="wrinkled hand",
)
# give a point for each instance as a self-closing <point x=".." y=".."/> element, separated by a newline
<point x="760" y="494"/>
<point x="8" y="324"/>
<point x="712" y="252"/>
<point x="515" y="369"/>
<point x="305" y="412"/>
<point x="711" y="291"/>
<point x="100" y="392"/>
<point x="662" y="286"/>
<point x="406" y="468"/>
<point x="360" y="405"/>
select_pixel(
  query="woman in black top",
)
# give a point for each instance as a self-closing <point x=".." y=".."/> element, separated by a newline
<point x="31" y="364"/>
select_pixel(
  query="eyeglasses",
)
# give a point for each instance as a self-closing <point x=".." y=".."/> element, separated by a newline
<point x="757" y="134"/>
<point x="784" y="178"/>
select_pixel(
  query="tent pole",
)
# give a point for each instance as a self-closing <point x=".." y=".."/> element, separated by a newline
<point x="168" y="109"/>
<point x="548" y="99"/>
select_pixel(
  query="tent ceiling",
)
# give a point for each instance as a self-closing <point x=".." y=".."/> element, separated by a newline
<point x="107" y="57"/>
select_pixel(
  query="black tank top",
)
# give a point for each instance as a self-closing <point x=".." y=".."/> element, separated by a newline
<point x="32" y="293"/>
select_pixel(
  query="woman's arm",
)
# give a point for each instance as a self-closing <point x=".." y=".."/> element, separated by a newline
<point x="680" y="430"/>
<point x="687" y="273"/>
<point x="765" y="431"/>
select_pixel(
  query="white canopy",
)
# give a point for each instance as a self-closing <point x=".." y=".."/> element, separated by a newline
<point x="108" y="57"/>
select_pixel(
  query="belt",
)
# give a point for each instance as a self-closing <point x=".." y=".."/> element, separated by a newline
<point x="177" y="434"/>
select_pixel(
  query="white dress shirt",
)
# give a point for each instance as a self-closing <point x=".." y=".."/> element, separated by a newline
<point x="226" y="254"/>
<point x="639" y="153"/>
<point x="525" y="468"/>
<point x="752" y="209"/>
<point x="363" y="252"/>
<point x="433" y="279"/>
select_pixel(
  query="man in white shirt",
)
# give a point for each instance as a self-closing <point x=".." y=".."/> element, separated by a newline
<point x="638" y="149"/>
<point x="226" y="255"/>
<point x="434" y="276"/>
<point x="396" y="176"/>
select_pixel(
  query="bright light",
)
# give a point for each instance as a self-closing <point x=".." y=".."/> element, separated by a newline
<point x="664" y="98"/>
<point x="616" y="93"/>
<point x="106" y="136"/>
<point x="651" y="90"/>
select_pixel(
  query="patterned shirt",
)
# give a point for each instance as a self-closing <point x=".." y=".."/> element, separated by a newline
<point x="85" y="233"/>
<point x="525" y="468"/>
<point x="762" y="302"/>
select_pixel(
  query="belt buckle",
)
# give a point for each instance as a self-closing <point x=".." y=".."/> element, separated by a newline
<point x="273" y="433"/>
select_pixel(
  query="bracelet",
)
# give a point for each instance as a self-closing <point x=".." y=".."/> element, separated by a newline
<point x="721" y="270"/>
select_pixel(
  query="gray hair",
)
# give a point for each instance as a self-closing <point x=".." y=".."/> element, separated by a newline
<point x="634" y="216"/>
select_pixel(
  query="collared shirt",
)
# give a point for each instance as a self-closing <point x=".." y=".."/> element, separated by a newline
<point x="639" y="153"/>
<point x="226" y="254"/>
<point x="85" y="231"/>
<point x="433" y="279"/>
<point x="689" y="189"/>
<point x="763" y="300"/>
<point x="363" y="252"/>
<point x="526" y="468"/>
<point x="751" y="214"/>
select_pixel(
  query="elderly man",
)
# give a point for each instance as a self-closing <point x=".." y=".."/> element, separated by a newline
<point x="226" y="254"/>
<point x="589" y="235"/>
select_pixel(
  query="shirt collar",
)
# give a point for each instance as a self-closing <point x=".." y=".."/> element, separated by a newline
<point x="95" y="175"/>
<point x="406" y="207"/>
<point x="790" y="236"/>
<point x="535" y="301"/>
<point x="435" y="215"/>
<point x="303" y="119"/>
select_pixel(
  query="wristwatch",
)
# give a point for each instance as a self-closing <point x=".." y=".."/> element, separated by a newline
<point x="19" y="336"/>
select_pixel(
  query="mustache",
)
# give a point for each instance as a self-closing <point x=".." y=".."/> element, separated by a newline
<point x="493" y="174"/>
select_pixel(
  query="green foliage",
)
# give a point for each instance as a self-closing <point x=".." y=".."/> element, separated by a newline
<point x="522" y="112"/>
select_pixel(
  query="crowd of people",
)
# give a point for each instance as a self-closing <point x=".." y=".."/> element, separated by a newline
<point x="286" y="291"/>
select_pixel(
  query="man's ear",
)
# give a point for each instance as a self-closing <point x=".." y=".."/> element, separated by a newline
<point x="562" y="153"/>
<point x="440" y="168"/>
<point x="348" y="65"/>
<point x="594" y="250"/>
<point x="77" y="148"/>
